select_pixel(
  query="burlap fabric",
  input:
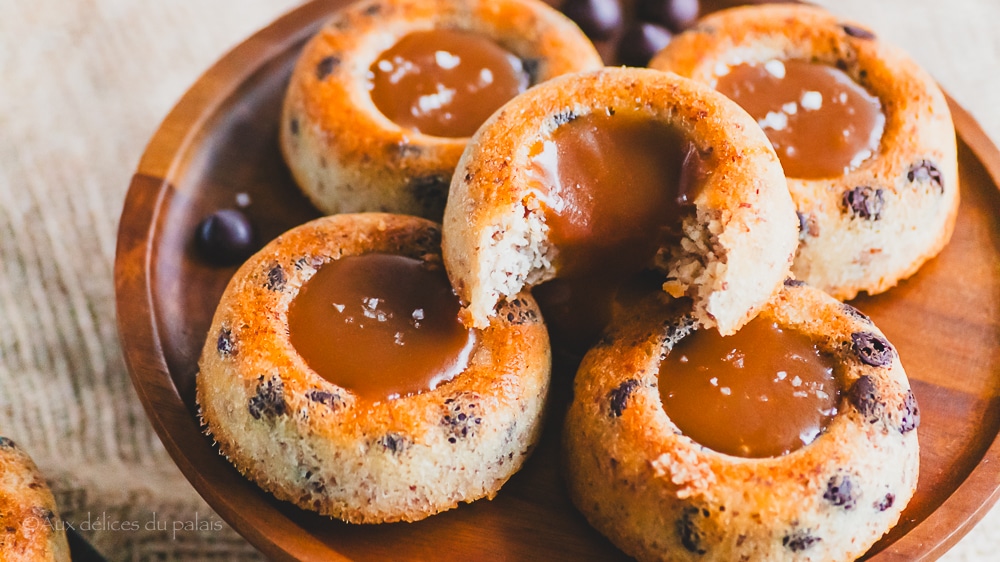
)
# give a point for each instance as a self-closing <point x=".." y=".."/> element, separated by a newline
<point x="84" y="85"/>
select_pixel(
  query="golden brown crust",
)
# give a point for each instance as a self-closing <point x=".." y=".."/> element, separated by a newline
<point x="660" y="496"/>
<point x="495" y="240"/>
<point x="30" y="527"/>
<point x="345" y="155"/>
<point x="912" y="179"/>
<point x="317" y="445"/>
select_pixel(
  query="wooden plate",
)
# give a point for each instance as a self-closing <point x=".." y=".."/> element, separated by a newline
<point x="221" y="141"/>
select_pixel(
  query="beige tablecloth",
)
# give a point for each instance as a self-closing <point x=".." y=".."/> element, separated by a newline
<point x="84" y="84"/>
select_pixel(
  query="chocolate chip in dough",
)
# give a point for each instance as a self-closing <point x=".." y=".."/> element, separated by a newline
<point x="841" y="491"/>
<point x="690" y="534"/>
<point x="858" y="32"/>
<point x="326" y="66"/>
<point x="276" y="278"/>
<point x="618" y="398"/>
<point x="268" y="400"/>
<point x="872" y="349"/>
<point x="925" y="170"/>
<point x="885" y="503"/>
<point x="910" y="419"/>
<point x="224" y="343"/>
<point x="864" y="202"/>
<point x="797" y="541"/>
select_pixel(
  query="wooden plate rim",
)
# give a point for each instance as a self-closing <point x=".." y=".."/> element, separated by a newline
<point x="161" y="399"/>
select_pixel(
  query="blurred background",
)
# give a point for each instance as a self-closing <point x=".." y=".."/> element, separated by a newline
<point x="85" y="84"/>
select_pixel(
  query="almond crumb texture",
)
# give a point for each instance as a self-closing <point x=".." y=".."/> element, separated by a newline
<point x="30" y="527"/>
<point x="737" y="239"/>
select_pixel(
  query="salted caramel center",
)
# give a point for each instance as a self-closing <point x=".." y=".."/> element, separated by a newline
<point x="444" y="82"/>
<point x="762" y="392"/>
<point x="820" y="121"/>
<point x="382" y="326"/>
<point x="613" y="186"/>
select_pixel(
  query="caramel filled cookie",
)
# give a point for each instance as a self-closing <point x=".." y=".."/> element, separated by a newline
<point x="385" y="97"/>
<point x="581" y="184"/>
<point x="337" y="375"/>
<point x="864" y="135"/>
<point x="794" y="439"/>
<point x="30" y="527"/>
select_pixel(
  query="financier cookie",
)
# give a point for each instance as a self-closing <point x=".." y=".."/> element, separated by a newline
<point x="864" y="134"/>
<point x="585" y="181"/>
<point x="794" y="439"/>
<point x="337" y="376"/>
<point x="30" y="527"/>
<point x="385" y="97"/>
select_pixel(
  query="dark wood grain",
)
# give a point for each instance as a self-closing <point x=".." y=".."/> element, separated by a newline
<point x="221" y="140"/>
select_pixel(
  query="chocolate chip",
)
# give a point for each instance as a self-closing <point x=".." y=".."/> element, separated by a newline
<point x="925" y="170"/>
<point x="857" y="32"/>
<point x="599" y="19"/>
<point x="333" y="401"/>
<point x="518" y="313"/>
<point x="864" y="202"/>
<point x="851" y="311"/>
<point x="808" y="225"/>
<point x="392" y="442"/>
<point x="789" y="282"/>
<point x="841" y="65"/>
<point x="269" y="399"/>
<point x="326" y="66"/>
<point x="691" y="536"/>
<point x="618" y="398"/>
<point x="531" y="66"/>
<point x="7" y="443"/>
<point x="872" y="349"/>
<point x="293" y="126"/>
<point x="797" y="541"/>
<point x="841" y="491"/>
<point x="564" y="117"/>
<point x="641" y="41"/>
<point x="676" y="15"/>
<point x="910" y="419"/>
<point x="225" y="237"/>
<point x="885" y="503"/>
<point x="276" y="278"/>
<point x="866" y="399"/>
<point x="461" y="418"/>
<point x="224" y="344"/>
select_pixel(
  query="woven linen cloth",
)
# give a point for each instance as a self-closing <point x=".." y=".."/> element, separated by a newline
<point x="84" y="85"/>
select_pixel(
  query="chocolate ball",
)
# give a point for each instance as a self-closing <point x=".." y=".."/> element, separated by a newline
<point x="676" y="15"/>
<point x="599" y="19"/>
<point x="225" y="237"/>
<point x="641" y="41"/>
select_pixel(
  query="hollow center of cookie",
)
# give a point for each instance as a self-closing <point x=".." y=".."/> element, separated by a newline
<point x="444" y="82"/>
<point x="382" y="326"/>
<point x="820" y="121"/>
<point x="613" y="186"/>
<point x="762" y="392"/>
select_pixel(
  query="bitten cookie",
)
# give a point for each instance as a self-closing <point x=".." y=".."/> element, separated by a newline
<point x="697" y="193"/>
<point x="335" y="450"/>
<point x="347" y="155"/>
<point x="660" y="495"/>
<point x="30" y="527"/>
<point x="894" y="207"/>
